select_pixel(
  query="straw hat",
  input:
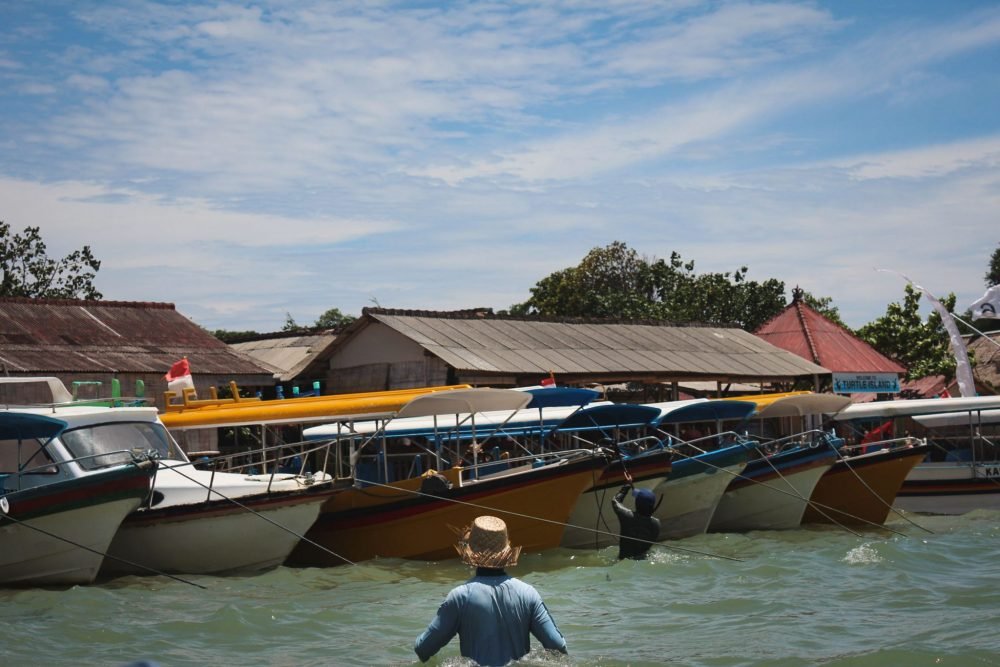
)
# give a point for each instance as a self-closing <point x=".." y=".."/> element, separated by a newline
<point x="485" y="544"/>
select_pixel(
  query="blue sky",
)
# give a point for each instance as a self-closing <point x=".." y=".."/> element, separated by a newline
<point x="248" y="160"/>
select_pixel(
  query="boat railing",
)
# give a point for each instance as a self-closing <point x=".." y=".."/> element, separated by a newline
<point x="486" y="470"/>
<point x="706" y="443"/>
<point x="306" y="459"/>
<point x="12" y="481"/>
<point x="890" y="444"/>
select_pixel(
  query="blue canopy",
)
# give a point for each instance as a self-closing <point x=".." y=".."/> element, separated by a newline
<point x="708" y="411"/>
<point x="557" y="397"/>
<point x="22" y="425"/>
<point x="623" y="415"/>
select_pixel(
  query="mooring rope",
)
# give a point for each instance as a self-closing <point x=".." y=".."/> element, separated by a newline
<point x="261" y="516"/>
<point x="100" y="553"/>
<point x="557" y="523"/>
<point x="796" y="496"/>
<point x="859" y="478"/>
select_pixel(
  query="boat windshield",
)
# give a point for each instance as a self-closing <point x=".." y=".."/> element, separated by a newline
<point x="104" y="445"/>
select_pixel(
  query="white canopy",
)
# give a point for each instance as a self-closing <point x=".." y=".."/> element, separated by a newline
<point x="465" y="401"/>
<point x="919" y="406"/>
<point x="804" y="404"/>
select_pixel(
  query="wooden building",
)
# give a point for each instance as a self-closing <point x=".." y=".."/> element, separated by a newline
<point x="395" y="349"/>
<point x="802" y="330"/>
<point x="90" y="342"/>
<point x="299" y="360"/>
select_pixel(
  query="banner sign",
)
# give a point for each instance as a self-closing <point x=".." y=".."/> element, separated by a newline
<point x="861" y="383"/>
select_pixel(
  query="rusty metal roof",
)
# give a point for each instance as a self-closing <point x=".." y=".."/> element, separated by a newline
<point x="987" y="352"/>
<point x="481" y="342"/>
<point x="806" y="333"/>
<point x="288" y="356"/>
<point x="51" y="336"/>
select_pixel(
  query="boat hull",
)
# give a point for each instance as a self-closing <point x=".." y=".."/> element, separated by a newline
<point x="693" y="491"/>
<point x="860" y="490"/>
<point x="592" y="523"/>
<point x="66" y="526"/>
<point x="217" y="537"/>
<point x="399" y="521"/>
<point x="763" y="498"/>
<point x="950" y="488"/>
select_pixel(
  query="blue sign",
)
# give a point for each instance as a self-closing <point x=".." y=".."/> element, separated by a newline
<point x="865" y="383"/>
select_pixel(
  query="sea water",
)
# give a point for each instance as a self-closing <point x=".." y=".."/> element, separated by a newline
<point x="926" y="594"/>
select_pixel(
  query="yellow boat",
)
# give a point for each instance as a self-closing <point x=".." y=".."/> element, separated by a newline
<point x="417" y="517"/>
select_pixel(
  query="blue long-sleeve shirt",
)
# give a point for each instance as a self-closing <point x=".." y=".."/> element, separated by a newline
<point x="493" y="614"/>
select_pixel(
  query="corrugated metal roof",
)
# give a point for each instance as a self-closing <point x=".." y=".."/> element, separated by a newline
<point x="805" y="332"/>
<point x="52" y="336"/>
<point x="484" y="343"/>
<point x="987" y="352"/>
<point x="287" y="356"/>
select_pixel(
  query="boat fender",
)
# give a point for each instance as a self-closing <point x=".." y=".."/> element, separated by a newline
<point x="435" y="485"/>
<point x="4" y="505"/>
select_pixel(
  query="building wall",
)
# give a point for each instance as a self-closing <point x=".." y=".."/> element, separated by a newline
<point x="378" y="358"/>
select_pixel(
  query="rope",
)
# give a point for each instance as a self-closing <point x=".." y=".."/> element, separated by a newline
<point x="563" y="524"/>
<point x="865" y="484"/>
<point x="261" y="516"/>
<point x="100" y="553"/>
<point x="796" y="495"/>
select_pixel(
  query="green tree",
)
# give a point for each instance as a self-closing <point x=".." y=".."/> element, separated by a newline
<point x="615" y="282"/>
<point x="290" y="323"/>
<point x="230" y="337"/>
<point x="28" y="271"/>
<point x="333" y="319"/>
<point x="993" y="274"/>
<point x="903" y="335"/>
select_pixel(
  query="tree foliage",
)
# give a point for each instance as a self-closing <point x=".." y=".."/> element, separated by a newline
<point x="28" y="271"/>
<point x="902" y="334"/>
<point x="615" y="282"/>
<point x="993" y="274"/>
<point x="333" y="319"/>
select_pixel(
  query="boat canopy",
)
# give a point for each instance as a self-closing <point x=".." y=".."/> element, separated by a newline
<point x="58" y="390"/>
<point x="554" y="397"/>
<point x="465" y="401"/>
<point x="918" y="406"/>
<point x="945" y="419"/>
<point x="621" y="415"/>
<point x="25" y="425"/>
<point x="803" y="404"/>
<point x="702" y="410"/>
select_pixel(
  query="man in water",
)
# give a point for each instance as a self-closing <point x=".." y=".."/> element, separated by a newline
<point x="492" y="613"/>
<point x="639" y="529"/>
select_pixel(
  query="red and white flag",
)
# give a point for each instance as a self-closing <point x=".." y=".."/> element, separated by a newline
<point x="179" y="377"/>
<point x="550" y="381"/>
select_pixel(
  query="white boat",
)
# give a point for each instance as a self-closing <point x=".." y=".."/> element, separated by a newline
<point x="59" y="513"/>
<point x="592" y="523"/>
<point x="702" y="468"/>
<point x="962" y="470"/>
<point x="194" y="521"/>
<point x="773" y="491"/>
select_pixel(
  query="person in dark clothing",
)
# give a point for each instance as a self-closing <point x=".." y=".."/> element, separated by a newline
<point x="639" y="529"/>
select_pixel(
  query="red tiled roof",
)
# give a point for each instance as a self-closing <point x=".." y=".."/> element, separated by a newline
<point x="805" y="332"/>
<point x="63" y="335"/>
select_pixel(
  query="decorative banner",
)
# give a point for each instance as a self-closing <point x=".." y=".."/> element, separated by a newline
<point x="963" y="369"/>
<point x="865" y="383"/>
<point x="987" y="307"/>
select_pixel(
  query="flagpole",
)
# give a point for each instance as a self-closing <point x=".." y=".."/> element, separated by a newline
<point x="981" y="333"/>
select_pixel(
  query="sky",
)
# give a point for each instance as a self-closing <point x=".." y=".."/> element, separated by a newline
<point x="249" y="161"/>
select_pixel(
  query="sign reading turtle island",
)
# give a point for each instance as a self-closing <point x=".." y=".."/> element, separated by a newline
<point x="859" y="383"/>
